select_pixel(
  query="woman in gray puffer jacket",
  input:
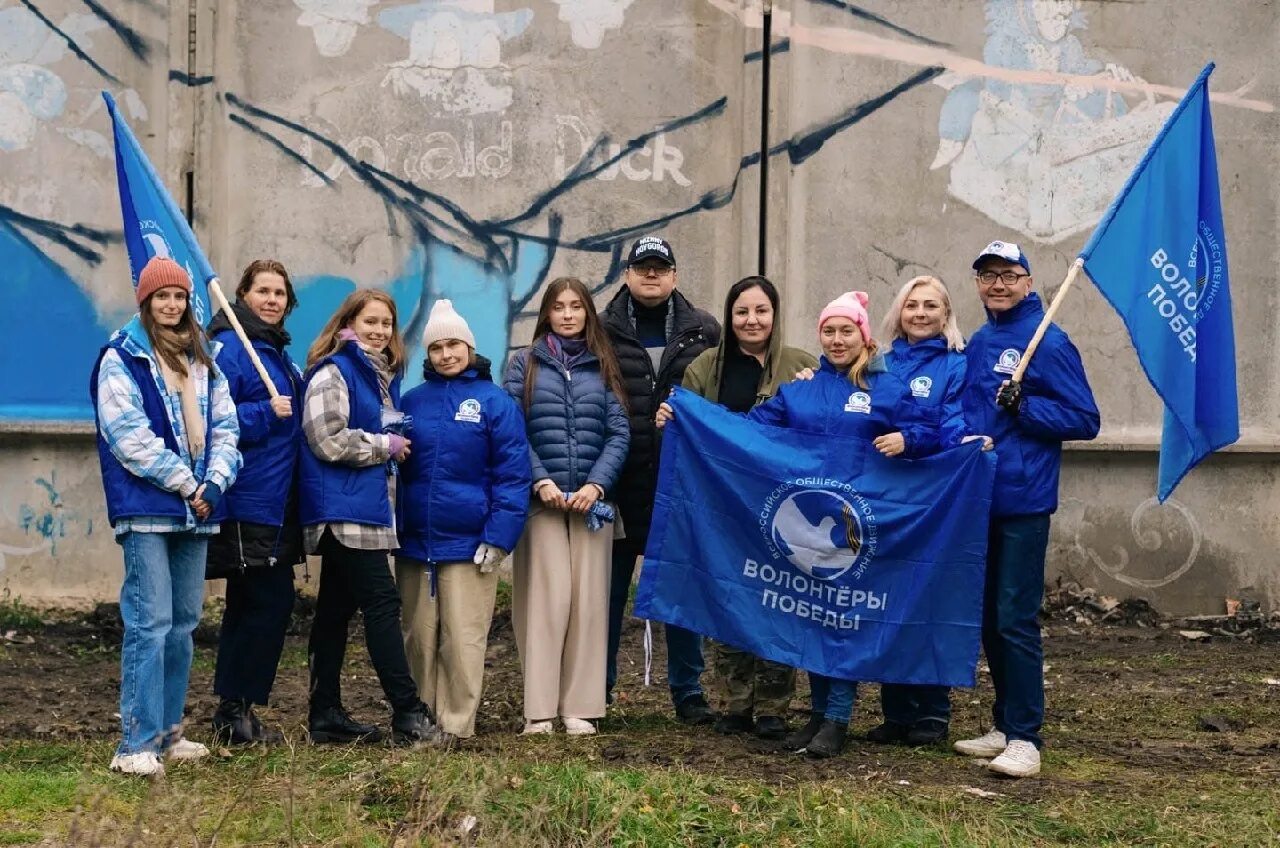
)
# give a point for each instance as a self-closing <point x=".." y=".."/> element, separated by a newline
<point x="569" y="386"/>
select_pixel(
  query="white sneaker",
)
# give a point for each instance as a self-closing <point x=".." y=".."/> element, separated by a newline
<point x="144" y="763"/>
<point x="185" y="749"/>
<point x="578" y="727"/>
<point x="533" y="728"/>
<point x="1020" y="759"/>
<point x="990" y="745"/>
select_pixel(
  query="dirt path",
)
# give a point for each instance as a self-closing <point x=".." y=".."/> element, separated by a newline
<point x="1125" y="704"/>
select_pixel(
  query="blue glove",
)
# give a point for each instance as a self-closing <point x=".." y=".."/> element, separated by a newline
<point x="212" y="494"/>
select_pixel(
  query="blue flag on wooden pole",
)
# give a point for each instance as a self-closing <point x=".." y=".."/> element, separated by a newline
<point x="153" y="224"/>
<point x="1159" y="256"/>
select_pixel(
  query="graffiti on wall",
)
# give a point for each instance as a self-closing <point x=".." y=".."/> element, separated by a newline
<point x="1168" y="539"/>
<point x="1044" y="160"/>
<point x="1032" y="117"/>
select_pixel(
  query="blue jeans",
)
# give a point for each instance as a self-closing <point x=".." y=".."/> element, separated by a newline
<point x="1010" y="626"/>
<point x="160" y="603"/>
<point x="685" y="663"/>
<point x="832" y="698"/>
<point x="907" y="705"/>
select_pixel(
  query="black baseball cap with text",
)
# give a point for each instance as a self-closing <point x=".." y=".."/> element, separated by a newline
<point x="651" y="247"/>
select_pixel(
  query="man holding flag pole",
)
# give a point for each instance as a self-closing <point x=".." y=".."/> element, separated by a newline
<point x="1159" y="257"/>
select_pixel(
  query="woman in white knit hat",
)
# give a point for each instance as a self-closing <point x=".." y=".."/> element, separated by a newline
<point x="465" y="496"/>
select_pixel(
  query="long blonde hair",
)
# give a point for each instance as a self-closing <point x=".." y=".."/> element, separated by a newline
<point x="891" y="327"/>
<point x="327" y="342"/>
<point x="858" y="370"/>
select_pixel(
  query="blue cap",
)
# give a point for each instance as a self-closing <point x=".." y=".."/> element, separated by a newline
<point x="1005" y="250"/>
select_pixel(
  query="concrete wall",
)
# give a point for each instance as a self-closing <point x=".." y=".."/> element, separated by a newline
<point x="947" y="154"/>
<point x="433" y="149"/>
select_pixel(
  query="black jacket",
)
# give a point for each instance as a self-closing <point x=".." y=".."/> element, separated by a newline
<point x="692" y="331"/>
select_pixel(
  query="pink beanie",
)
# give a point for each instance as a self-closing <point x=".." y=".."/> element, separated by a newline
<point x="851" y="305"/>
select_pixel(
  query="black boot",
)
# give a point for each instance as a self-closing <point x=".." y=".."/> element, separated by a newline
<point x="929" y="731"/>
<point x="694" y="710"/>
<point x="771" y="727"/>
<point x="889" y="733"/>
<point x="415" y="727"/>
<point x="802" y="737"/>
<point x="263" y="734"/>
<point x="335" y="725"/>
<point x="829" y="740"/>
<point x="232" y="724"/>
<point x="732" y="723"/>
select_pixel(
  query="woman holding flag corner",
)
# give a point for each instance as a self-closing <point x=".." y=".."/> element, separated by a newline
<point x="879" y="409"/>
<point x="746" y="369"/>
<point x="925" y="350"/>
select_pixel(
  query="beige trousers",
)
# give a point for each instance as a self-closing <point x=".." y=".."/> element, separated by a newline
<point x="560" y="614"/>
<point x="445" y="636"/>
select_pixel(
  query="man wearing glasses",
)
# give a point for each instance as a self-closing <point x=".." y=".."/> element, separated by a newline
<point x="655" y="333"/>
<point x="1029" y="422"/>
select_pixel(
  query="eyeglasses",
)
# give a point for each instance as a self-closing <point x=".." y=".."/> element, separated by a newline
<point x="988" y="278"/>
<point x="657" y="270"/>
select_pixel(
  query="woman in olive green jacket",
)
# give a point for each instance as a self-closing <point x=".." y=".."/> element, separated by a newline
<point x="745" y="369"/>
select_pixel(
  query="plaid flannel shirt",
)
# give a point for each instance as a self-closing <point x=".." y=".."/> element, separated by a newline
<point x="325" y="414"/>
<point x="128" y="434"/>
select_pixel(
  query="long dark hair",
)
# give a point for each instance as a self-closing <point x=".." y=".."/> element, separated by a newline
<point x="735" y="291"/>
<point x="593" y="332"/>
<point x="174" y="345"/>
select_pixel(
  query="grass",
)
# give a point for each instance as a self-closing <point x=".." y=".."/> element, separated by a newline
<point x="15" y="615"/>
<point x="528" y="793"/>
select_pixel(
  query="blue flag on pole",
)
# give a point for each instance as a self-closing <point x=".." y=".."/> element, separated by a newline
<point x="153" y="224"/>
<point x="1159" y="256"/>
<point x="817" y="552"/>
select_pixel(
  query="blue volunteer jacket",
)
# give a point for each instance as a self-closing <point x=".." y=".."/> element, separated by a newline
<point x="935" y="376"/>
<point x="269" y="445"/>
<point x="1057" y="405"/>
<point x="833" y="405"/>
<point x="467" y="479"/>
<point x="332" y="492"/>
<point x="578" y="431"/>
<point x="130" y="496"/>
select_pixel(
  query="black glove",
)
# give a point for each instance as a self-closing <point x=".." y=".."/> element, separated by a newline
<point x="1009" y="397"/>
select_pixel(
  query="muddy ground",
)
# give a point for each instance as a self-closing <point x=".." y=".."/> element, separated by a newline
<point x="1122" y="701"/>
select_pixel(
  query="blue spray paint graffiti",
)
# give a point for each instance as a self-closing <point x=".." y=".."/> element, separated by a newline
<point x="491" y="268"/>
<point x="51" y="520"/>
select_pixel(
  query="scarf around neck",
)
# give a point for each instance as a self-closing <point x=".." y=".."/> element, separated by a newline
<point x="254" y="327"/>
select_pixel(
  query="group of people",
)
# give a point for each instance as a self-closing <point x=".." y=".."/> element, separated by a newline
<point x="211" y="471"/>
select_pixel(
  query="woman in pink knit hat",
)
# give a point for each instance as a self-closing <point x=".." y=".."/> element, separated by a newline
<point x="851" y="395"/>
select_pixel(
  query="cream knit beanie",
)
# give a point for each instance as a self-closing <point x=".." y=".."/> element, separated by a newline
<point x="445" y="323"/>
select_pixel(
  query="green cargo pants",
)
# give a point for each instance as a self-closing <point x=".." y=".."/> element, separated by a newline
<point x="750" y="685"/>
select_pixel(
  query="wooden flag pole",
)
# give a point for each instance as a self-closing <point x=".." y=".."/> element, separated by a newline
<point x="215" y="292"/>
<point x="1075" y="270"/>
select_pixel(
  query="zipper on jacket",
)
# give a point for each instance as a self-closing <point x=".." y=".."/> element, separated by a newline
<point x="240" y="542"/>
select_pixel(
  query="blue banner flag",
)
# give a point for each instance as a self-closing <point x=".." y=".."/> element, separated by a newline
<point x="153" y="224"/>
<point x="1160" y="258"/>
<point x="818" y="552"/>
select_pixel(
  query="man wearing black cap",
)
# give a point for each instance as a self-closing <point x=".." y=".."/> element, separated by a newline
<point x="656" y="333"/>
<point x="1029" y="421"/>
